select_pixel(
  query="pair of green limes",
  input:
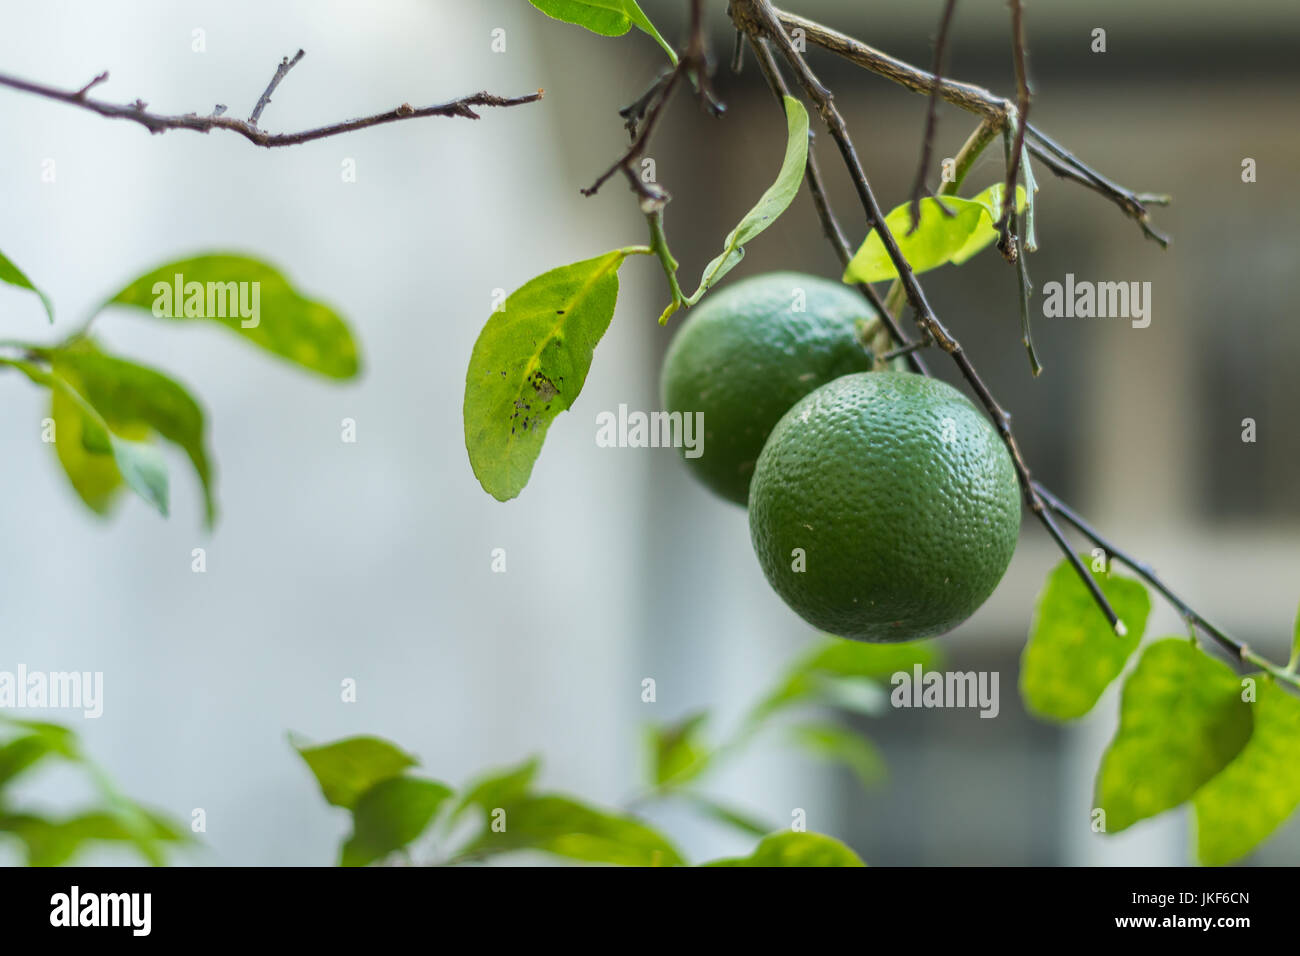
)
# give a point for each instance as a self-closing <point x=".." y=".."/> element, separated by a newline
<point x="883" y="506"/>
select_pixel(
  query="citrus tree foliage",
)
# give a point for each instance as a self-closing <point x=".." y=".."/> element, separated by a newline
<point x="108" y="412"/>
<point x="1191" y="730"/>
<point x="51" y="840"/>
<point x="399" y="812"/>
<point x="554" y="321"/>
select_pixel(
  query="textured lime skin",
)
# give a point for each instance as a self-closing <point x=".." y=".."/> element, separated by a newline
<point x="743" y="357"/>
<point x="903" y="499"/>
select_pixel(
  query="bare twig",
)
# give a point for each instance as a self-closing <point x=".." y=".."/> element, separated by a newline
<point x="102" y="77"/>
<point x="932" y="114"/>
<point x="650" y="106"/>
<point x="1006" y="242"/>
<point x="159" y="123"/>
<point x="758" y="18"/>
<point x="1016" y="251"/>
<point x="285" y="66"/>
<point x="975" y="99"/>
<point x="1239" y="651"/>
<point x="642" y="115"/>
<point x="1068" y="166"/>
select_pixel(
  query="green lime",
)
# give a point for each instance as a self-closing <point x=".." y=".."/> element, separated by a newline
<point x="884" y="507"/>
<point x="749" y="352"/>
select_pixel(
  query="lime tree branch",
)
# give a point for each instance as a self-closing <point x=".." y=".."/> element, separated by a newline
<point x="759" y="20"/>
<point x="1238" y="650"/>
<point x="1022" y="117"/>
<point x="641" y="118"/>
<point x="761" y="23"/>
<point x="974" y="99"/>
<point x="138" y="112"/>
<point x="281" y="72"/>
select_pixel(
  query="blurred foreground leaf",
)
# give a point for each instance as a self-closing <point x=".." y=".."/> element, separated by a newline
<point x="138" y="463"/>
<point x="796" y="849"/>
<point x="12" y="275"/>
<point x="220" y="287"/>
<point x="677" y="751"/>
<point x="346" y="769"/>
<point x="841" y="745"/>
<point x="516" y="818"/>
<point x="134" y="401"/>
<point x="390" y="815"/>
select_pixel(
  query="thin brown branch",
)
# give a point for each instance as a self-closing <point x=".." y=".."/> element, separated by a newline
<point x="758" y="18"/>
<point x="975" y="99"/>
<point x="643" y="114"/>
<point x="931" y="114"/>
<point x="1068" y="166"/>
<point x="650" y="106"/>
<point x="137" y="112"/>
<point x="1238" y="650"/>
<point x="94" y="82"/>
<point x="1007" y="243"/>
<point x="285" y="66"/>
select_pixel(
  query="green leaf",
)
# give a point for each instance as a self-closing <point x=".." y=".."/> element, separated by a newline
<point x="390" y="815"/>
<point x="729" y="815"/>
<point x="530" y="363"/>
<point x="772" y="203"/>
<point x="565" y="827"/>
<point x="348" y="768"/>
<point x="1255" y="793"/>
<point x="1072" y="654"/>
<point x="677" y="752"/>
<point x="499" y="788"/>
<point x="11" y="274"/>
<point x="134" y="400"/>
<point x="827" y="673"/>
<point x="221" y="287"/>
<point x="516" y="818"/>
<point x="610" y="18"/>
<point x="839" y="745"/>
<point x="937" y="241"/>
<point x="796" y="849"/>
<point x="24" y="752"/>
<point x="1182" y="720"/>
<point x="55" y="842"/>
<point x="140" y="464"/>
<point x="1295" y="646"/>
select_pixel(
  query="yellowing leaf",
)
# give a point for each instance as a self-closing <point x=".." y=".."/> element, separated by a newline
<point x="529" y="364"/>
<point x="938" y="240"/>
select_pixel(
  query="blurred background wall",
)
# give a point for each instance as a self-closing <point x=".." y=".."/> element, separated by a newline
<point x="373" y="560"/>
